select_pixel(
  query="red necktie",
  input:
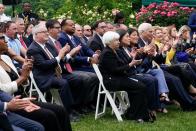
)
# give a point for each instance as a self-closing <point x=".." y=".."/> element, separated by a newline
<point x="22" y="42"/>
<point x="67" y="65"/>
<point x="57" y="46"/>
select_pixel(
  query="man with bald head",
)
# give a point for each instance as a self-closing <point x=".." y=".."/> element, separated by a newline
<point x="79" y="33"/>
<point x="3" y="17"/>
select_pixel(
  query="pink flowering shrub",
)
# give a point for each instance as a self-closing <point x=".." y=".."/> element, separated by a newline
<point x="164" y="14"/>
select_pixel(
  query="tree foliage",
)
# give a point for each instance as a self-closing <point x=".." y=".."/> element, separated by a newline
<point x="82" y="11"/>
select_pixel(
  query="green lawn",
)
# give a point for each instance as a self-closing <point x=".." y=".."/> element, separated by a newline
<point x="175" y="120"/>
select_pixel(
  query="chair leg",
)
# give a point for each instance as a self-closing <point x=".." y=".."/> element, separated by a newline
<point x="114" y="107"/>
<point x="98" y="102"/>
<point x="56" y="97"/>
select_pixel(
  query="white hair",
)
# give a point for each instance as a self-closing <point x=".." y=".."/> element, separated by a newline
<point x="144" y="27"/>
<point x="37" y="29"/>
<point x="109" y="36"/>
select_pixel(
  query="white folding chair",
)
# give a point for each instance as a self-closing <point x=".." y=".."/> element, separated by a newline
<point x="121" y="95"/>
<point x="34" y="88"/>
<point x="41" y="97"/>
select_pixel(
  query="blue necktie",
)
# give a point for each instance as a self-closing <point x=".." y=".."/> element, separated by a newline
<point x="73" y="41"/>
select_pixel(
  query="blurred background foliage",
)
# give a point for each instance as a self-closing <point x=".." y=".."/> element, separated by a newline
<point x="82" y="11"/>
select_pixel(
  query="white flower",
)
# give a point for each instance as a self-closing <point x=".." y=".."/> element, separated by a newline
<point x="93" y="15"/>
<point x="41" y="11"/>
<point x="45" y="14"/>
<point x="130" y="25"/>
<point x="89" y="12"/>
<point x="132" y="16"/>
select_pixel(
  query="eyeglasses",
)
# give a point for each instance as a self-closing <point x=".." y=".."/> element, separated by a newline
<point x="57" y="27"/>
<point x="78" y="30"/>
<point x="102" y="27"/>
<point x="88" y="29"/>
<point x="43" y="32"/>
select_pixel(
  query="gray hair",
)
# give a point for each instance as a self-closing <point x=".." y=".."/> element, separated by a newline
<point x="144" y="27"/>
<point x="109" y="36"/>
<point x="183" y="29"/>
<point x="37" y="28"/>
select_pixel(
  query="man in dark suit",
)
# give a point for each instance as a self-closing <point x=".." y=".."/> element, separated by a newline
<point x="145" y="32"/>
<point x="96" y="42"/>
<point x="84" y="91"/>
<point x="47" y="70"/>
<point x="8" y="104"/>
<point x="79" y="34"/>
<point x="85" y="56"/>
<point x="87" y="33"/>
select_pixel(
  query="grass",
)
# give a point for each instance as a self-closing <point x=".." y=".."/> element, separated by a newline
<point x="175" y="120"/>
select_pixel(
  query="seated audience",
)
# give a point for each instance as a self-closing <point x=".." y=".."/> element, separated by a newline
<point x="53" y="117"/>
<point x="114" y="72"/>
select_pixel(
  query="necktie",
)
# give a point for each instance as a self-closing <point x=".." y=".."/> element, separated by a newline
<point x="22" y="42"/>
<point x="67" y="65"/>
<point x="73" y="41"/>
<point x="57" y="46"/>
<point x="58" y="70"/>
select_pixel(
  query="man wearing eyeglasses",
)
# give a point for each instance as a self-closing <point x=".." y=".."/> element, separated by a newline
<point x="87" y="33"/>
<point x="96" y="43"/>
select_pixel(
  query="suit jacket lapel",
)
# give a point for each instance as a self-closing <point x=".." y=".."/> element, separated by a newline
<point x="69" y="41"/>
<point x="52" y="49"/>
<point x="40" y="48"/>
<point x="99" y="40"/>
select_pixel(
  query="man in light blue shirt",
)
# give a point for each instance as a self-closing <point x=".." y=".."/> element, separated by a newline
<point x="13" y="43"/>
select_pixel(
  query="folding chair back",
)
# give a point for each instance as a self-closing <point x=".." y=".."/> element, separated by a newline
<point x="103" y="91"/>
<point x="34" y="88"/>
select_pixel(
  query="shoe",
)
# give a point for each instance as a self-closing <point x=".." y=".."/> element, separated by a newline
<point x="141" y="121"/>
<point x="163" y="110"/>
<point x="152" y="115"/>
<point x="164" y="99"/>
